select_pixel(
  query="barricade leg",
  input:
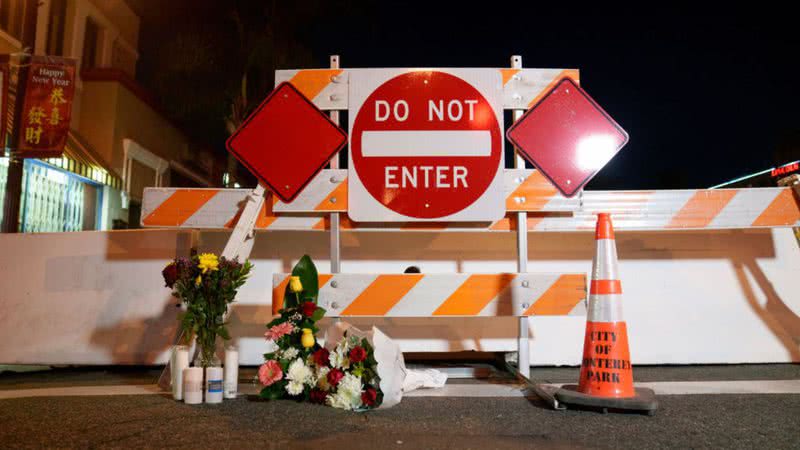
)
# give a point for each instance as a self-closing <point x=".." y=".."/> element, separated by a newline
<point x="523" y="349"/>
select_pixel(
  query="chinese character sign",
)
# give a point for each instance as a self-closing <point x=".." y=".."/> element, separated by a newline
<point x="47" y="108"/>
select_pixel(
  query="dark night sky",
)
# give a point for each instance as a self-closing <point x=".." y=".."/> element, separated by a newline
<point x="704" y="97"/>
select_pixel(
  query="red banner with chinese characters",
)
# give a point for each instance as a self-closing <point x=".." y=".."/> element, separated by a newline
<point x="47" y="108"/>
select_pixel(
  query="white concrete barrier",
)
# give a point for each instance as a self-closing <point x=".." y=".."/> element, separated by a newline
<point x="690" y="296"/>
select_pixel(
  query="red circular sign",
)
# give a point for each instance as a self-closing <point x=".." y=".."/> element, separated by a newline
<point x="426" y="144"/>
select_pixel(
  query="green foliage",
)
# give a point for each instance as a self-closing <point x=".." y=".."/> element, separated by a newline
<point x="206" y="292"/>
<point x="307" y="271"/>
<point x="319" y="313"/>
<point x="275" y="391"/>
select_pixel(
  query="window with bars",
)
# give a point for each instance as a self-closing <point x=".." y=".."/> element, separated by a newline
<point x="54" y="200"/>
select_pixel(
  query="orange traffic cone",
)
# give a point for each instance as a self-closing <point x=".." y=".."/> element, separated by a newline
<point x="606" y="379"/>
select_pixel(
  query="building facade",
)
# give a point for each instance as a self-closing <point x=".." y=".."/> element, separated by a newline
<point x="119" y="141"/>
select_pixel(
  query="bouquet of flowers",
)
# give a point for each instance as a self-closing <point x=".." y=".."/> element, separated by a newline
<point x="205" y="284"/>
<point x="299" y="368"/>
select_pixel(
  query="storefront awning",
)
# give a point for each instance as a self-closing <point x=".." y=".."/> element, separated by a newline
<point x="80" y="159"/>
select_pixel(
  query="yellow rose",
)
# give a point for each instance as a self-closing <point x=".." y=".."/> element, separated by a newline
<point x="295" y="285"/>
<point x="208" y="261"/>
<point x="307" y="339"/>
<point x="198" y="280"/>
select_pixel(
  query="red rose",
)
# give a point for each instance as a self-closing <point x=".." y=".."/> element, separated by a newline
<point x="322" y="357"/>
<point x="170" y="274"/>
<point x="369" y="396"/>
<point x="357" y="354"/>
<point x="318" y="396"/>
<point x="335" y="376"/>
<point x="308" y="308"/>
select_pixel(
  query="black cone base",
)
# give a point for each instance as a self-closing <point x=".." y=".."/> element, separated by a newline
<point x="644" y="401"/>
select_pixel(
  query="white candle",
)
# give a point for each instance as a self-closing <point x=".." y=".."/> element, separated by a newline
<point x="214" y="384"/>
<point x="231" y="371"/>
<point x="193" y="385"/>
<point x="179" y="361"/>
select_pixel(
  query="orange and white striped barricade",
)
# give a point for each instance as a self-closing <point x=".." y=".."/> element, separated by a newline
<point x="526" y="191"/>
<point x="445" y="295"/>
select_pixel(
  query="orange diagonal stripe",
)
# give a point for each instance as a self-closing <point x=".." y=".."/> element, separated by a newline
<point x="265" y="216"/>
<point x="279" y="290"/>
<point x="181" y="205"/>
<point x="783" y="210"/>
<point x="235" y="219"/>
<point x="560" y="298"/>
<point x="509" y="222"/>
<point x="277" y="295"/>
<point x="504" y="224"/>
<point x="340" y="194"/>
<point x="536" y="192"/>
<point x="507" y="74"/>
<point x="702" y="208"/>
<point x="381" y="295"/>
<point x="322" y="224"/>
<point x="323" y="279"/>
<point x="474" y="294"/>
<point x="568" y="73"/>
<point x="312" y="82"/>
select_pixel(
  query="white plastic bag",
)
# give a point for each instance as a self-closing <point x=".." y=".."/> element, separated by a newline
<point x="395" y="377"/>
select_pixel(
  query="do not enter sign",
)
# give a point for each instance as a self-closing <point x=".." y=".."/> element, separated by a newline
<point x="426" y="145"/>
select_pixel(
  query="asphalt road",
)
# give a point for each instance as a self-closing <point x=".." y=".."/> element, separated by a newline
<point x="683" y="421"/>
<point x="701" y="421"/>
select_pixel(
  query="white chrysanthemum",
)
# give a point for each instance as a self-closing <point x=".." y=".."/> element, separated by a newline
<point x="351" y="384"/>
<point x="294" y="388"/>
<point x="338" y="400"/>
<point x="340" y="358"/>
<point x="298" y="371"/>
<point x="348" y="393"/>
<point x="322" y="378"/>
<point x="290" y="353"/>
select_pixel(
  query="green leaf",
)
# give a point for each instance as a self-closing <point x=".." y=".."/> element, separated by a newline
<point x="307" y="271"/>
<point x="319" y="313"/>
<point x="276" y="321"/>
<point x="223" y="333"/>
<point x="274" y="392"/>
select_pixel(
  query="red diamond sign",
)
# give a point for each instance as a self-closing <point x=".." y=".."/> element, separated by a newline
<point x="286" y="141"/>
<point x="568" y="137"/>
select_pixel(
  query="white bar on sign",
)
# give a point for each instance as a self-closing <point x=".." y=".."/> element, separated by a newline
<point x="426" y="143"/>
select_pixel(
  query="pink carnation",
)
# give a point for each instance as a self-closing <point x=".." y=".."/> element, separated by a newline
<point x="278" y="331"/>
<point x="270" y="372"/>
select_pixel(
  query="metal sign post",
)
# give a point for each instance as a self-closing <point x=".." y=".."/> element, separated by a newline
<point x="336" y="256"/>
<point x="523" y="344"/>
